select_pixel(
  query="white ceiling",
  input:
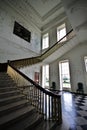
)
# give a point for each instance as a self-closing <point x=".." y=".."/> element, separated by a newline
<point x="43" y="7"/>
<point x="40" y="12"/>
<point x="45" y="13"/>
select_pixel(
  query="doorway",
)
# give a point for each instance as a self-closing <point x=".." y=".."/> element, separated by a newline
<point x="64" y="72"/>
<point x="45" y="76"/>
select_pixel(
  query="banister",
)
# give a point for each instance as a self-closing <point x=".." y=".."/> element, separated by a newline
<point x="39" y="58"/>
<point x="34" y="83"/>
<point x="57" y="42"/>
<point x="46" y="102"/>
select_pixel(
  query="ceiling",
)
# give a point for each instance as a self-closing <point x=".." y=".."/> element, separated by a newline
<point x="47" y="13"/>
<point x="41" y="12"/>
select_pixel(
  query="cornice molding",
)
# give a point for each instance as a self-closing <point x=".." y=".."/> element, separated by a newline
<point x="28" y="20"/>
<point x="34" y="18"/>
<point x="52" y="11"/>
<point x="54" y="22"/>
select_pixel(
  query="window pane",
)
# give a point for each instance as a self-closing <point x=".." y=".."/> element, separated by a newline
<point x="45" y="41"/>
<point x="85" y="63"/>
<point x="61" y="32"/>
<point x="45" y="75"/>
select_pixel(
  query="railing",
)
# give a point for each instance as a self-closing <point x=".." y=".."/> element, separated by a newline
<point x="25" y="62"/>
<point x="45" y="101"/>
<point x="33" y="60"/>
<point x="58" y="44"/>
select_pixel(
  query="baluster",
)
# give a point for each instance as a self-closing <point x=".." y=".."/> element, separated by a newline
<point x="38" y="99"/>
<point x="45" y="106"/>
<point x="55" y="109"/>
<point x="52" y="108"/>
<point x="43" y="103"/>
<point x="59" y="110"/>
<point x="49" y="108"/>
<point x="40" y="102"/>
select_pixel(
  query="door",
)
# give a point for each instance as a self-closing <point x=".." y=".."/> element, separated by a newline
<point x="64" y="75"/>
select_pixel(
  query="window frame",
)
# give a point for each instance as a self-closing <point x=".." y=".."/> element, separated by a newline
<point x="45" y="44"/>
<point x="85" y="60"/>
<point x="59" y="29"/>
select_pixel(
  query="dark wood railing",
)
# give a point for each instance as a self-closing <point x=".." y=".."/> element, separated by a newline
<point x="45" y="101"/>
<point x="59" y="41"/>
<point x="33" y="60"/>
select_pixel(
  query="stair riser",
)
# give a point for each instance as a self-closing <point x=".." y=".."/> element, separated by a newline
<point x="9" y="123"/>
<point x="7" y="84"/>
<point x="9" y="94"/>
<point x="7" y="111"/>
<point x="7" y="89"/>
<point x="32" y="126"/>
<point x="11" y="100"/>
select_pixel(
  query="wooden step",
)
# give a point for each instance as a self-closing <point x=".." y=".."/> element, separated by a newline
<point x="27" y="123"/>
<point x="15" y="116"/>
<point x="7" y="84"/>
<point x="6" y="89"/>
<point x="9" y="93"/>
<point x="14" y="98"/>
<point x="12" y="106"/>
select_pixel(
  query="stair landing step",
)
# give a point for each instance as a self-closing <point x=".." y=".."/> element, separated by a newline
<point x="28" y="123"/>
<point x="9" y="93"/>
<point x="12" y="106"/>
<point x="15" y="116"/>
<point x="11" y="99"/>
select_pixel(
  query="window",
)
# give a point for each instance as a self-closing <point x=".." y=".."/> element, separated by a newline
<point x="45" y="41"/>
<point x="61" y="32"/>
<point x="85" y="58"/>
<point x="64" y="74"/>
<point x="45" y="76"/>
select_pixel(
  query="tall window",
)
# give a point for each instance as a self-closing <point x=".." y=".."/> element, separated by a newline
<point x="45" y="41"/>
<point x="45" y="76"/>
<point x="61" y="32"/>
<point x="64" y="74"/>
<point x="85" y="58"/>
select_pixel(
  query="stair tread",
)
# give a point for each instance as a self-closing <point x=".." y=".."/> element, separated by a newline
<point x="11" y="105"/>
<point x="27" y="123"/>
<point x="11" y="97"/>
<point x="1" y="87"/>
<point x="14" y="115"/>
<point x="8" y="92"/>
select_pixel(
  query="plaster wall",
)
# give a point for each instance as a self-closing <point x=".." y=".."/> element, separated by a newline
<point x="77" y="67"/>
<point x="11" y="46"/>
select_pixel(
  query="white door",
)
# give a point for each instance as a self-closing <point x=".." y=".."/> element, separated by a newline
<point x="64" y="75"/>
<point x="45" y="76"/>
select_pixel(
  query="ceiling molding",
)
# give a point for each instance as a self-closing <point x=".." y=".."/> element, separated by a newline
<point x="33" y="17"/>
<point x="54" y="22"/>
<point x="52" y="11"/>
<point x="28" y="20"/>
<point x="72" y="4"/>
<point x="82" y="26"/>
<point x="31" y="7"/>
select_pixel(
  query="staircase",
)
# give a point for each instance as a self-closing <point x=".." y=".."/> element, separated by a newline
<point x="16" y="112"/>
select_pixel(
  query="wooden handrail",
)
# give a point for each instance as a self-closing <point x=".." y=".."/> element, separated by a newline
<point x="45" y="101"/>
<point x="57" y="42"/>
<point x="50" y="93"/>
<point x="40" y="57"/>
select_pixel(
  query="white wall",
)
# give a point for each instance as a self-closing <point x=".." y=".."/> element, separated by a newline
<point x="30" y="71"/>
<point x="11" y="46"/>
<point x="77" y="67"/>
